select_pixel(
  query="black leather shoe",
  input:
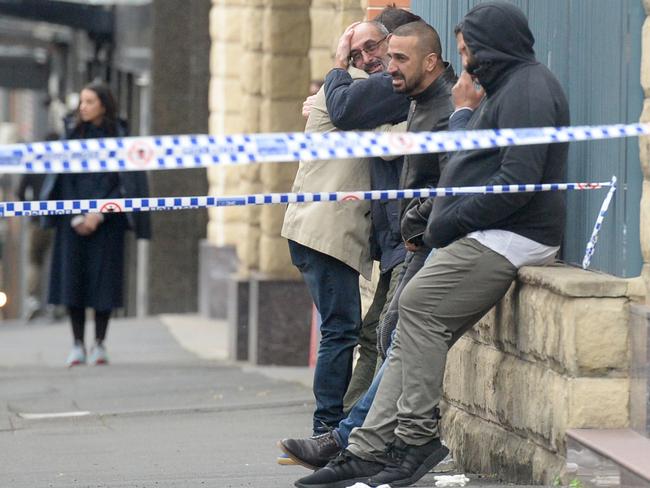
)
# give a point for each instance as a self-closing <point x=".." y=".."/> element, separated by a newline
<point x="312" y="453"/>
<point x="409" y="463"/>
<point x="341" y="472"/>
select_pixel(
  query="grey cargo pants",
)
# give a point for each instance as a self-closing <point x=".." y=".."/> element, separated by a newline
<point x="452" y="291"/>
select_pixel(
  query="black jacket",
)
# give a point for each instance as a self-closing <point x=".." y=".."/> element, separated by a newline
<point x="129" y="184"/>
<point x="430" y="111"/>
<point x="363" y="105"/>
<point x="520" y="93"/>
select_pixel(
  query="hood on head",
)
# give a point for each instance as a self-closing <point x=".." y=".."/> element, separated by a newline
<point x="497" y="34"/>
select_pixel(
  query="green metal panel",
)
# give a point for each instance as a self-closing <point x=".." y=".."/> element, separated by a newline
<point x="594" y="48"/>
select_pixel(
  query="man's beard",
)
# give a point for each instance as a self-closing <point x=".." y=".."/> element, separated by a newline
<point x="472" y="66"/>
<point x="409" y="86"/>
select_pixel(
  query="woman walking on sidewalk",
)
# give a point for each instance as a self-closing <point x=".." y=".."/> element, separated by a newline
<point x="88" y="255"/>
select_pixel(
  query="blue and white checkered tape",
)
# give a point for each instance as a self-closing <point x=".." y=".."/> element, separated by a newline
<point x="591" y="244"/>
<point x="200" y="151"/>
<point x="69" y="207"/>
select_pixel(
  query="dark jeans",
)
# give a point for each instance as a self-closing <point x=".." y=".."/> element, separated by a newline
<point x="364" y="369"/>
<point x="334" y="287"/>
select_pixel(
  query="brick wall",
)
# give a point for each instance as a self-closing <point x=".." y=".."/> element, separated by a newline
<point x="375" y="6"/>
<point x="329" y="18"/>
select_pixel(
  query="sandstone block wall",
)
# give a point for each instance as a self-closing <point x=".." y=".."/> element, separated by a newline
<point x="553" y="355"/>
<point x="226" y="226"/>
<point x="264" y="53"/>
<point x="260" y="75"/>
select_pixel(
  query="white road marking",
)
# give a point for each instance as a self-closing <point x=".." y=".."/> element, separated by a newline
<point x="58" y="415"/>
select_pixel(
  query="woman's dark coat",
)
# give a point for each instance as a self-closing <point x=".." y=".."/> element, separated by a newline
<point x="89" y="271"/>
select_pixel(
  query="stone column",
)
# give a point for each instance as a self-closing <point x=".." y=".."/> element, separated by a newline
<point x="251" y="75"/>
<point x="260" y="77"/>
<point x="261" y="63"/>
<point x="180" y="79"/>
<point x="279" y="304"/>
<point x="645" y="153"/>
<point x="218" y="256"/>
<point x="285" y="81"/>
<point x="323" y="13"/>
<point x="226" y="18"/>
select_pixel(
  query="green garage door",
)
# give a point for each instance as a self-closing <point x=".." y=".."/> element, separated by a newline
<point x="594" y="48"/>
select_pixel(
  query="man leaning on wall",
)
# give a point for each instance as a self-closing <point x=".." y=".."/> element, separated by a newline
<point x="417" y="70"/>
<point x="329" y="242"/>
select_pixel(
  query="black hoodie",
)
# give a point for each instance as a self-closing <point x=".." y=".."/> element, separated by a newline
<point x="520" y="93"/>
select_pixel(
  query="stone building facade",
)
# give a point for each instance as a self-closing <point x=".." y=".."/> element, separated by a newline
<point x="645" y="152"/>
<point x="554" y="355"/>
<point x="264" y="54"/>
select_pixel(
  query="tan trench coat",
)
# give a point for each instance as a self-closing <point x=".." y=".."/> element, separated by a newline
<point x="338" y="229"/>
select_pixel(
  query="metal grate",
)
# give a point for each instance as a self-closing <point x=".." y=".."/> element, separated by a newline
<point x="594" y="48"/>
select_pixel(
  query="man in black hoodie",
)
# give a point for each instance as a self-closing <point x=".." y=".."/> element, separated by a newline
<point x="482" y="240"/>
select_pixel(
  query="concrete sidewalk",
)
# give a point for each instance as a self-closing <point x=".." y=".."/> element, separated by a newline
<point x="160" y="415"/>
<point x="169" y="412"/>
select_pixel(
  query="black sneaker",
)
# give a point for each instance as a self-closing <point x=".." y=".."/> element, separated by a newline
<point x="341" y="472"/>
<point x="312" y="453"/>
<point x="410" y="463"/>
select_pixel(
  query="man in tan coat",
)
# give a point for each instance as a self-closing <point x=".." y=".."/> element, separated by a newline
<point x="329" y="242"/>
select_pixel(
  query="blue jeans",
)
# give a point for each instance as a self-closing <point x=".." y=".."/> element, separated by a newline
<point x="334" y="287"/>
<point x="357" y="415"/>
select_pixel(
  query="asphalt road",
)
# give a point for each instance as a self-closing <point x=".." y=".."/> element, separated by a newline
<point x="160" y="416"/>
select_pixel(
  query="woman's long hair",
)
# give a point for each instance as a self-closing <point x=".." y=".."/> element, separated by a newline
<point x="106" y="98"/>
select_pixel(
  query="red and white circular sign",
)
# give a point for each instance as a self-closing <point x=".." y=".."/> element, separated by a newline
<point x="350" y="198"/>
<point x="110" y="207"/>
<point x="140" y="154"/>
<point x="402" y="142"/>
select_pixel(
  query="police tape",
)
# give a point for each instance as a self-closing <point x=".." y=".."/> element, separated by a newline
<point x="119" y="205"/>
<point x="591" y="244"/>
<point x="201" y="151"/>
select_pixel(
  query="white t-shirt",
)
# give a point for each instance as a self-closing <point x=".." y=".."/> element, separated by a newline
<point x="519" y="250"/>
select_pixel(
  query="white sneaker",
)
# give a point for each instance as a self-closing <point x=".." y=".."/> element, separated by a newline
<point x="77" y="356"/>
<point x="98" y="355"/>
<point x="32" y="307"/>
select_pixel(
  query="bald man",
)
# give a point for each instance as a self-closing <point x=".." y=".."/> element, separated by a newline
<point x="418" y="71"/>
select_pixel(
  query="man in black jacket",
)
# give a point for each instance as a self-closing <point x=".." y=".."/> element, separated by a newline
<point x="430" y="110"/>
<point x="421" y="75"/>
<point x="481" y="242"/>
